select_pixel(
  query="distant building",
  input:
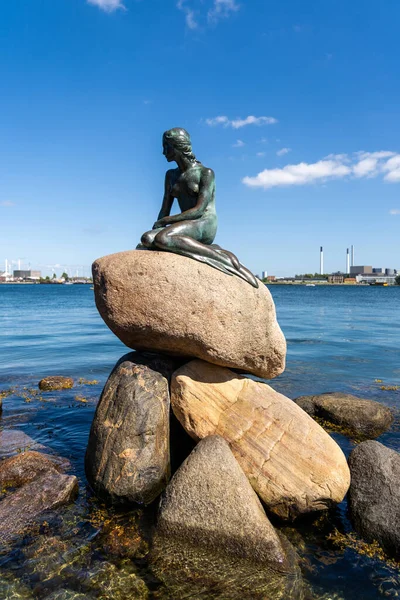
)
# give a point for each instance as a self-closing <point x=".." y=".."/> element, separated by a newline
<point x="377" y="279"/>
<point x="22" y="274"/>
<point x="336" y="278"/>
<point x="361" y="270"/>
<point x="350" y="281"/>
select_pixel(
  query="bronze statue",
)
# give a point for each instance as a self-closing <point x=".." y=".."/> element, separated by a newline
<point x="190" y="233"/>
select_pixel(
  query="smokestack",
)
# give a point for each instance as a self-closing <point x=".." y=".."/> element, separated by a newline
<point x="321" y="261"/>
<point x="347" y="262"/>
<point x="6" y="273"/>
<point x="352" y="256"/>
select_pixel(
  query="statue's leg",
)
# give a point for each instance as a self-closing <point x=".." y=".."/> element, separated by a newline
<point x="183" y="238"/>
<point x="147" y="239"/>
<point x="233" y="257"/>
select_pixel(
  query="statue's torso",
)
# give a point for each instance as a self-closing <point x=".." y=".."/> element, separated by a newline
<point x="185" y="188"/>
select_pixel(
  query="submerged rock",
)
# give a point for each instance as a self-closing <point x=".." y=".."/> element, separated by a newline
<point x="13" y="441"/>
<point x="55" y="382"/>
<point x="127" y="458"/>
<point x="164" y="302"/>
<point x="21" y="508"/>
<point x="210" y="517"/>
<point x="290" y="461"/>
<point x="25" y="467"/>
<point x="357" y="415"/>
<point x="374" y="497"/>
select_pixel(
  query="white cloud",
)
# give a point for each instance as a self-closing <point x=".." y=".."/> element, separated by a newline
<point x="366" y="167"/>
<point x="239" y="144"/>
<point x="190" y="15"/>
<point x="7" y="203"/>
<point x="335" y="166"/>
<point x="392" y="168"/>
<point x="394" y="211"/>
<point x="238" y="123"/>
<point x="298" y="174"/>
<point x="221" y="9"/>
<point x="260" y="153"/>
<point x="108" y="5"/>
<point x="283" y="151"/>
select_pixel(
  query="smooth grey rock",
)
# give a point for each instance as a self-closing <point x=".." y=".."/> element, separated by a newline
<point x="374" y="496"/>
<point x="363" y="417"/>
<point x="127" y="458"/>
<point x="21" y="508"/>
<point x="212" y="530"/>
<point x="210" y="501"/>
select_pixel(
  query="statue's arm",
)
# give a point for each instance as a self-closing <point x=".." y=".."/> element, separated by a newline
<point x="206" y="189"/>
<point x="168" y="198"/>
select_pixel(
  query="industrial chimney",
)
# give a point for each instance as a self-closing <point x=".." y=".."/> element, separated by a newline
<point x="321" y="260"/>
<point x="347" y="262"/>
<point x="352" y="256"/>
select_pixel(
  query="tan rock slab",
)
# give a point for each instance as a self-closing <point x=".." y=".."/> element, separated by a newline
<point x="168" y="303"/>
<point x="291" y="462"/>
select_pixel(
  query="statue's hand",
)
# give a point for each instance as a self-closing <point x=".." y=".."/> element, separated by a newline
<point x="161" y="223"/>
<point x="158" y="225"/>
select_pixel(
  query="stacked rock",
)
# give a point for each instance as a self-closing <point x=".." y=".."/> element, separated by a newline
<point x="194" y="330"/>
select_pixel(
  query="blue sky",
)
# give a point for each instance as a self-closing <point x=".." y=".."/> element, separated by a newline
<point x="295" y="105"/>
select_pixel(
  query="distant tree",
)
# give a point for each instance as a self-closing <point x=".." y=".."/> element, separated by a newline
<point x="65" y="276"/>
<point x="54" y="276"/>
<point x="397" y="280"/>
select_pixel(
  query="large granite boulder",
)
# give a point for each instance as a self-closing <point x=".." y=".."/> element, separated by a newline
<point x="291" y="462"/>
<point x="374" y="497"/>
<point x="164" y="302"/>
<point x="358" y="416"/>
<point x="127" y="458"/>
<point x="209" y="511"/>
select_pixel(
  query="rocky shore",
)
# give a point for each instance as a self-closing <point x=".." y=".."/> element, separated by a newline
<point x="226" y="472"/>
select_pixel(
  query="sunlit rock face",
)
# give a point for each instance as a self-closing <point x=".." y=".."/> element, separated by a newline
<point x="164" y="302"/>
<point x="291" y="462"/>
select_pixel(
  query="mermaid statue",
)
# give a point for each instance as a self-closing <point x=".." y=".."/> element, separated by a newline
<point x="192" y="232"/>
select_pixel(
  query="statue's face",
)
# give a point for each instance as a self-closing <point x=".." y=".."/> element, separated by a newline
<point x="168" y="152"/>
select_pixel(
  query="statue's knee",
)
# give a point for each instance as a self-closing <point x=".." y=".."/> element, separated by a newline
<point x="147" y="239"/>
<point x="162" y="240"/>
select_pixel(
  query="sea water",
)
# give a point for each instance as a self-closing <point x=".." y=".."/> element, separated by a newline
<point x="339" y="339"/>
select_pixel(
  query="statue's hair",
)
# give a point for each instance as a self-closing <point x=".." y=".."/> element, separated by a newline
<point x="180" y="140"/>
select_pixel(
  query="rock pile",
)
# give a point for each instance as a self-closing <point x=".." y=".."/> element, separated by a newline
<point x="250" y="439"/>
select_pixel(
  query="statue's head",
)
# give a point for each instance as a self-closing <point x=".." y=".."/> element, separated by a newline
<point x="177" y="141"/>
